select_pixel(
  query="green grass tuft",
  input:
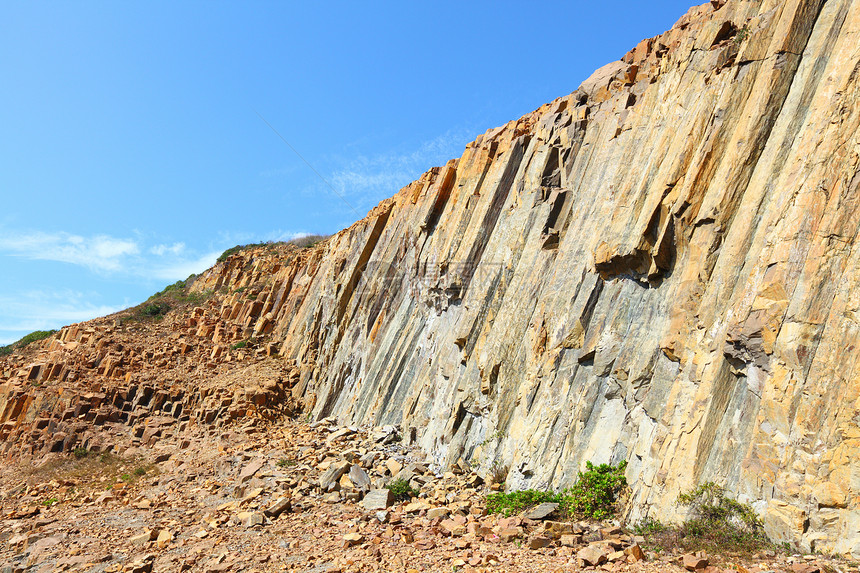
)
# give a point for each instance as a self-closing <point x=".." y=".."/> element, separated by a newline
<point x="402" y="490"/>
<point x="25" y="340"/>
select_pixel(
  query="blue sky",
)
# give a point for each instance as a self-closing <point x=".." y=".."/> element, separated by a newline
<point x="133" y="153"/>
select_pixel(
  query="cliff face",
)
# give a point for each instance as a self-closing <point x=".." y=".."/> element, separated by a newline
<point x="660" y="268"/>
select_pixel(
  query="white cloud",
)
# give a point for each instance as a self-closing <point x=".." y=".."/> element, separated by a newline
<point x="117" y="258"/>
<point x="231" y="238"/>
<point x="107" y="255"/>
<point x="161" y="250"/>
<point x="45" y="310"/>
<point x="182" y="268"/>
<point x="98" y="253"/>
<point x="376" y="177"/>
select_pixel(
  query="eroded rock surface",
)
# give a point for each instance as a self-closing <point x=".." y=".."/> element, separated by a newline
<point x="660" y="268"/>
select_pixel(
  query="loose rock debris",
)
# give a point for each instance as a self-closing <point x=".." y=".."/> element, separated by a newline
<point x="299" y="497"/>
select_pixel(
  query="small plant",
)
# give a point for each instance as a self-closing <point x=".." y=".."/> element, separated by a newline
<point x="139" y="472"/>
<point x="80" y="453"/>
<point x="239" y="345"/>
<point x="401" y="489"/>
<point x="649" y="527"/>
<point x="720" y="523"/>
<point x="155" y="309"/>
<point x="593" y="496"/>
<point x="742" y="35"/>
<point x="285" y="463"/>
<point x="50" y="501"/>
<point x="596" y="491"/>
<point x="497" y="435"/>
<point x="516" y="501"/>
<point x="125" y="477"/>
<point x="715" y="523"/>
<point x="498" y="472"/>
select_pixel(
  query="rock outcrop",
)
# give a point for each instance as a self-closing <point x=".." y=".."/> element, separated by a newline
<point x="660" y="268"/>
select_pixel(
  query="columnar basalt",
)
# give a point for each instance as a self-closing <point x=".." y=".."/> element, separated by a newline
<point x="660" y="267"/>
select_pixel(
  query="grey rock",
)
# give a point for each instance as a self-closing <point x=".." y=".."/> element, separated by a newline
<point x="542" y="511"/>
<point x="377" y="499"/>
<point x="329" y="478"/>
<point x="360" y="478"/>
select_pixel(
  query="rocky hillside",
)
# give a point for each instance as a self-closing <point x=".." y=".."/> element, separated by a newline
<point x="660" y="267"/>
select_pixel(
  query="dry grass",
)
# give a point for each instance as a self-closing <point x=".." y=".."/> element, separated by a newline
<point x="93" y="471"/>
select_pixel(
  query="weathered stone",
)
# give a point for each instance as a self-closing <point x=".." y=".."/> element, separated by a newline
<point x="635" y="552"/>
<point x="249" y="470"/>
<point x="164" y="538"/>
<point x="393" y="466"/>
<point x="329" y="479"/>
<point x="542" y="511"/>
<point x="592" y="555"/>
<point x="278" y="507"/>
<point x="359" y="478"/>
<point x="539" y="542"/>
<point x="378" y="499"/>
<point x="693" y="562"/>
<point x="453" y="527"/>
<point x="143" y="538"/>
<point x="510" y="533"/>
<point x="416" y="506"/>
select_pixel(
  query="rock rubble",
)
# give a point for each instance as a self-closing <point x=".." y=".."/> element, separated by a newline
<point x="252" y="499"/>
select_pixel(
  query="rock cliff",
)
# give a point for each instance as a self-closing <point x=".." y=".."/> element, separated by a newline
<point x="660" y="267"/>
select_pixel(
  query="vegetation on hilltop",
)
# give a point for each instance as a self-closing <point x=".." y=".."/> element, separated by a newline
<point x="300" y="242"/>
<point x="24" y="341"/>
<point x="171" y="296"/>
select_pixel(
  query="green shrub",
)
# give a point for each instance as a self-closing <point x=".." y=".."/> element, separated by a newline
<point x="516" y="501"/>
<point x="232" y="251"/>
<point x="720" y="523"/>
<point x="239" y="345"/>
<point x="139" y="472"/>
<point x="155" y="309"/>
<point x="285" y="463"/>
<point x="401" y="489"/>
<point x="715" y="523"/>
<point x="80" y="453"/>
<point x="596" y="491"/>
<point x="178" y="286"/>
<point x="50" y="501"/>
<point x="593" y="496"/>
